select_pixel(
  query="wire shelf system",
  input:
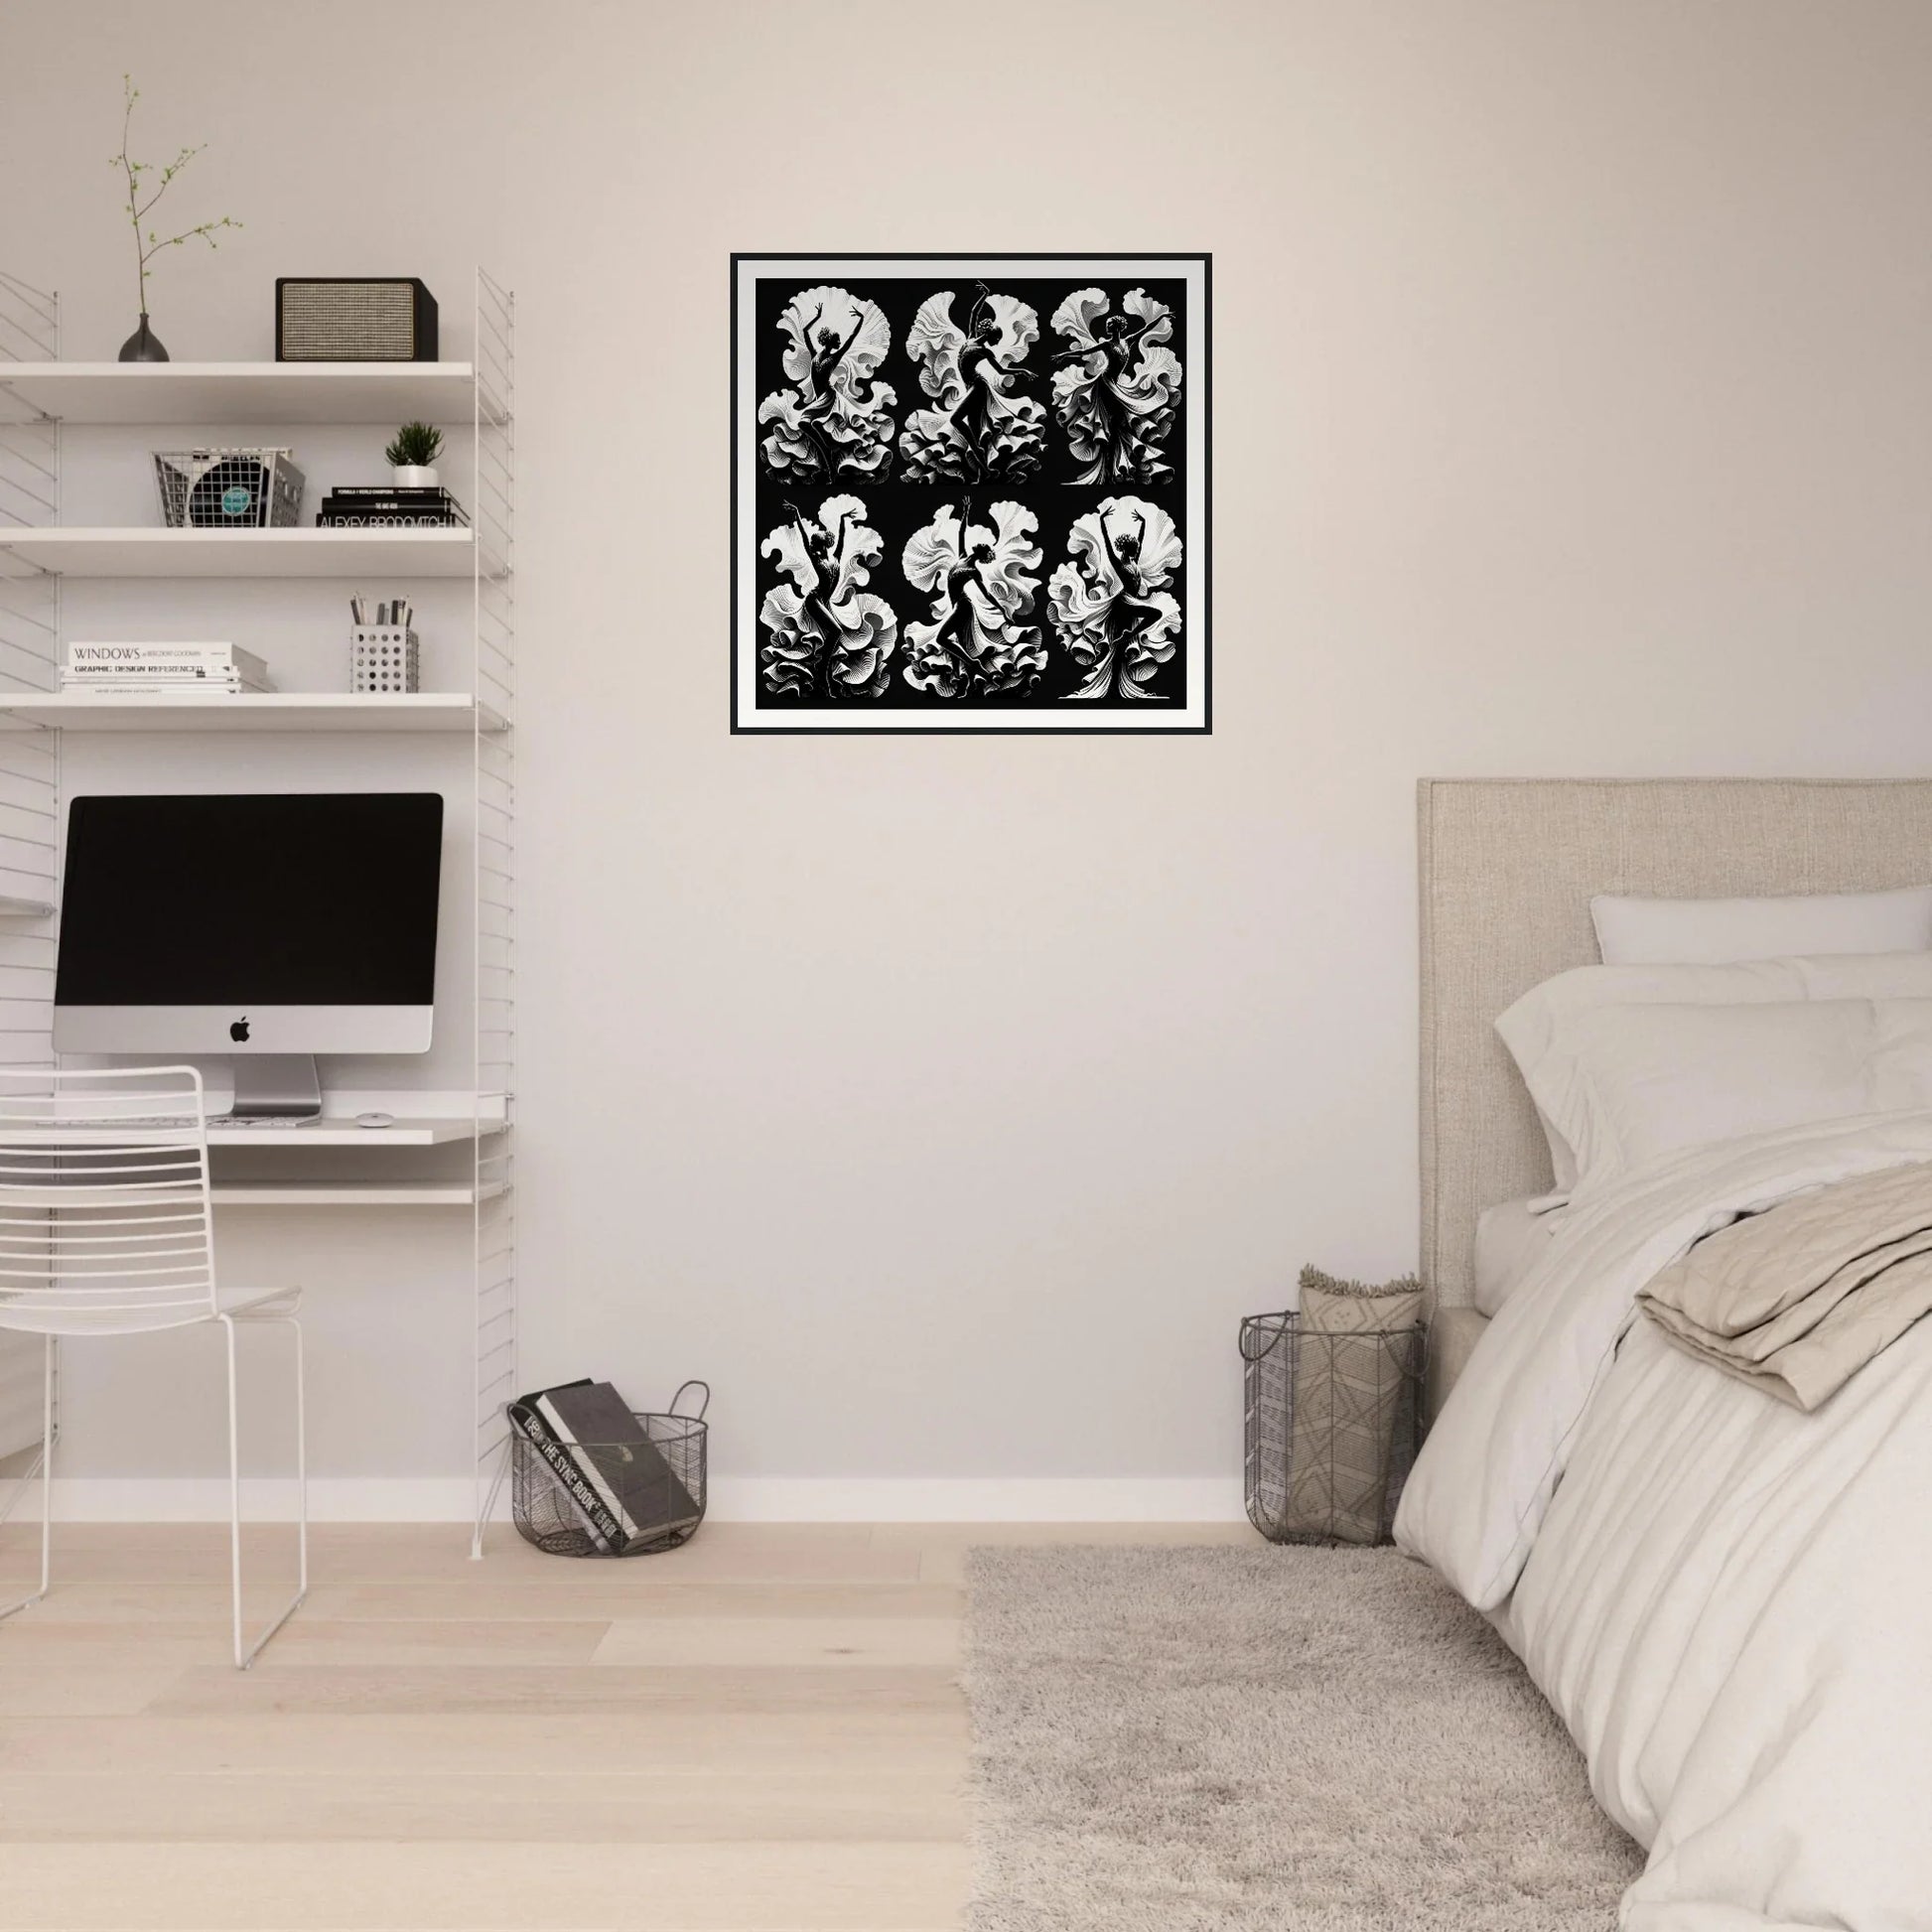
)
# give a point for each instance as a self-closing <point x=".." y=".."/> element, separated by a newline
<point x="31" y="739"/>
<point x="493" y="500"/>
<point x="30" y="788"/>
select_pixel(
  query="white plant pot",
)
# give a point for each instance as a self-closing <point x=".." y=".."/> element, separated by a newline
<point x="413" y="476"/>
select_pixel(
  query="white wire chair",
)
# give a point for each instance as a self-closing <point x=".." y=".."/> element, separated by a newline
<point x="106" y="1228"/>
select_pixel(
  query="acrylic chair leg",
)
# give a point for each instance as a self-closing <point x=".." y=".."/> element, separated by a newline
<point x="43" y="1462"/>
<point x="244" y="1652"/>
<point x="301" y="1459"/>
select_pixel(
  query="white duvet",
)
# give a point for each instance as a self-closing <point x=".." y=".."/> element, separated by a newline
<point x="1729" y="1601"/>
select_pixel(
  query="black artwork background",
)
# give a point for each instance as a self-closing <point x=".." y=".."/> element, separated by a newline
<point x="895" y="509"/>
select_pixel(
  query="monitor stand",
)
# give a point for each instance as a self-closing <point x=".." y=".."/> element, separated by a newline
<point x="276" y="1086"/>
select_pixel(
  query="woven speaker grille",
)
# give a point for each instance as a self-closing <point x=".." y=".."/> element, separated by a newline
<point x="348" y="322"/>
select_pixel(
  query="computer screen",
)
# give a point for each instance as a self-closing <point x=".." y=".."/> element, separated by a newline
<point x="281" y="922"/>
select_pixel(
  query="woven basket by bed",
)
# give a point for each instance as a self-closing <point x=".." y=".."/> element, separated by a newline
<point x="1333" y="1403"/>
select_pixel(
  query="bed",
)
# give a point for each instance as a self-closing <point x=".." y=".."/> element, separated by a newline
<point x="1725" y="1600"/>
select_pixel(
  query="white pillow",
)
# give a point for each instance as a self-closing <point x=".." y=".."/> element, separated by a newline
<point x="1511" y="1238"/>
<point x="1626" y="1085"/>
<point x="1713" y="931"/>
<point x="1536" y="1026"/>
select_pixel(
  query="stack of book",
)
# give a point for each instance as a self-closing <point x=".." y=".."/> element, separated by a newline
<point x="117" y="669"/>
<point x="386" y="507"/>
<point x="618" y="1480"/>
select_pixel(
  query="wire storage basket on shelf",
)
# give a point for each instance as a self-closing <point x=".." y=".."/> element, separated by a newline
<point x="545" y="1491"/>
<point x="1332" y="1431"/>
<point x="229" y="488"/>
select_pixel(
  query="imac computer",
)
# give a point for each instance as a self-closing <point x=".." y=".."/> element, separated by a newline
<point x="268" y="928"/>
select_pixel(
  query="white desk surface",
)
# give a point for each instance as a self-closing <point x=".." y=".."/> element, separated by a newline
<point x="333" y="1131"/>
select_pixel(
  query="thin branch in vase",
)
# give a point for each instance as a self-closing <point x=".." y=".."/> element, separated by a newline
<point x="147" y="243"/>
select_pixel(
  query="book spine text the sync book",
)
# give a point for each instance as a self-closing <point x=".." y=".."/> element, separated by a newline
<point x="603" y="1527"/>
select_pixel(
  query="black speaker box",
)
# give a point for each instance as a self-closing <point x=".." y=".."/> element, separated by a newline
<point x="353" y="318"/>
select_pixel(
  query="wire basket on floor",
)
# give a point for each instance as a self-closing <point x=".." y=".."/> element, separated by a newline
<point x="546" y="1513"/>
<point x="1332" y="1424"/>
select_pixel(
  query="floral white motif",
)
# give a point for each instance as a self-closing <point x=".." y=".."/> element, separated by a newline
<point x="1116" y="386"/>
<point x="827" y="636"/>
<point x="977" y="641"/>
<point x="1110" y="602"/>
<point x="836" y="420"/>
<point x="983" y="427"/>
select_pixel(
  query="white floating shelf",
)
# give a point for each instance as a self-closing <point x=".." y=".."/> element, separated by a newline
<point x="349" y="1194"/>
<point x="245" y="392"/>
<point x="261" y="710"/>
<point x="330" y="1131"/>
<point x="310" y="552"/>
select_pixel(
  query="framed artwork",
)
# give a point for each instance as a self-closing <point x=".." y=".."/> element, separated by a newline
<point x="970" y="492"/>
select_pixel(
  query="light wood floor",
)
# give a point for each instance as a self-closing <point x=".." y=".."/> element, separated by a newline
<point x="759" y="1732"/>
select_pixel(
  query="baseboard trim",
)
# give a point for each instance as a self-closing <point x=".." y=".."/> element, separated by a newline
<point x="734" y="1499"/>
<point x="978" y="1499"/>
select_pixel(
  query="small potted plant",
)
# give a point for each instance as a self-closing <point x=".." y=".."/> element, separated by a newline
<point x="412" y="454"/>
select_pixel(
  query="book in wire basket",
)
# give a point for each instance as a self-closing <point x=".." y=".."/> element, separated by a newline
<point x="592" y="1477"/>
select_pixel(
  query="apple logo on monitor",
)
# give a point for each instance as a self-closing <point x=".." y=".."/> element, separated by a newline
<point x="240" y="1030"/>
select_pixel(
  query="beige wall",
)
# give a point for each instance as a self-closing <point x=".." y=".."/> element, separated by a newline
<point x="947" y="1099"/>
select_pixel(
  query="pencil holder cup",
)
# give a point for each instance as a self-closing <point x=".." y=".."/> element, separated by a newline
<point x="384" y="658"/>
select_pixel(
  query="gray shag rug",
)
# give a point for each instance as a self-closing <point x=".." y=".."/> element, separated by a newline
<point x="1213" y="1740"/>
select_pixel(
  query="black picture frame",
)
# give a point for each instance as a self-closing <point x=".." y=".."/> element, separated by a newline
<point x="1123" y="496"/>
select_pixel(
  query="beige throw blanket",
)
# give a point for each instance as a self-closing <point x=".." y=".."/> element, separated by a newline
<point x="1799" y="1298"/>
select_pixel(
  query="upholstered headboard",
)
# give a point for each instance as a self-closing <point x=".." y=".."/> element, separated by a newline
<point x="1509" y="867"/>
